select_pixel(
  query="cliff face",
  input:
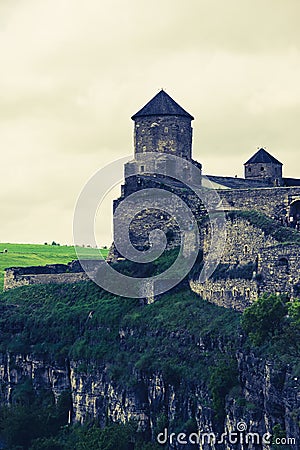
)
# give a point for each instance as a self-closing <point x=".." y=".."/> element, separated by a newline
<point x="267" y="397"/>
<point x="270" y="397"/>
<point x="178" y="365"/>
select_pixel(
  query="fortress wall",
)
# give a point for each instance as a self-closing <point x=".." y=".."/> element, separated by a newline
<point x="243" y="241"/>
<point x="155" y="213"/>
<point x="263" y="252"/>
<point x="51" y="273"/>
<point x="242" y="247"/>
<point x="13" y="280"/>
<point x="279" y="268"/>
<point x="38" y="270"/>
<point x="229" y="293"/>
<point x="274" y="202"/>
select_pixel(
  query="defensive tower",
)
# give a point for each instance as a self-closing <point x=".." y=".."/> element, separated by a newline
<point x="263" y="166"/>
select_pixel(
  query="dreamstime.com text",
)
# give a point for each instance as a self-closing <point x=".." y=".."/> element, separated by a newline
<point x="240" y="436"/>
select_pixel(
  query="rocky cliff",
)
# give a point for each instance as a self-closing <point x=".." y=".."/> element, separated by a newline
<point x="180" y="365"/>
<point x="266" y="397"/>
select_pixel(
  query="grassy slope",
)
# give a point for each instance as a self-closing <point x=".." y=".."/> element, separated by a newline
<point x="23" y="255"/>
<point x="54" y="320"/>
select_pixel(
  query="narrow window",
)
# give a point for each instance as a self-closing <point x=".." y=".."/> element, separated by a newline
<point x="283" y="264"/>
<point x="142" y="168"/>
<point x="262" y="169"/>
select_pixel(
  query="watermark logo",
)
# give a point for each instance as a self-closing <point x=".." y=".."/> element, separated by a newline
<point x="166" y="201"/>
<point x="239" y="436"/>
<point x="241" y="426"/>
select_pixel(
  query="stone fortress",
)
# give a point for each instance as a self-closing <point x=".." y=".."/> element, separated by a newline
<point x="262" y="212"/>
<point x="262" y="209"/>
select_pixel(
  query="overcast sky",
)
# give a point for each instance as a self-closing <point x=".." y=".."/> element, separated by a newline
<point x="73" y="72"/>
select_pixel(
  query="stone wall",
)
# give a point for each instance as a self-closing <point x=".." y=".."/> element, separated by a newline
<point x="274" y="202"/>
<point x="12" y="280"/>
<point x="51" y="273"/>
<point x="153" y="213"/>
<point x="234" y="285"/>
<point x="230" y="293"/>
<point x="243" y="241"/>
<point x="252" y="264"/>
<point x="279" y="269"/>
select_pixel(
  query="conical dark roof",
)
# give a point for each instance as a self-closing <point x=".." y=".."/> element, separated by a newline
<point x="162" y="105"/>
<point x="262" y="156"/>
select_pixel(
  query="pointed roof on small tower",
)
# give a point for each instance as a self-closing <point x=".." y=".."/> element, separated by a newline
<point x="162" y="105"/>
<point x="262" y="156"/>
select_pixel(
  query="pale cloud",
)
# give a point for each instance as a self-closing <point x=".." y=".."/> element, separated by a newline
<point x="74" y="71"/>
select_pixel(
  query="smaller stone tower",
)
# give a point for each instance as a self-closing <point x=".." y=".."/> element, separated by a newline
<point x="263" y="166"/>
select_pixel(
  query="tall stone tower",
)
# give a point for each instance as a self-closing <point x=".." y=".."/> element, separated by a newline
<point x="162" y="162"/>
<point x="162" y="127"/>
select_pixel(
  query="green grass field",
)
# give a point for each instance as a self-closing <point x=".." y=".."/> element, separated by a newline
<point x="23" y="255"/>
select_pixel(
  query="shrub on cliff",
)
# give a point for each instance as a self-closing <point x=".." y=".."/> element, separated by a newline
<point x="264" y="318"/>
<point x="224" y="376"/>
<point x="273" y="321"/>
